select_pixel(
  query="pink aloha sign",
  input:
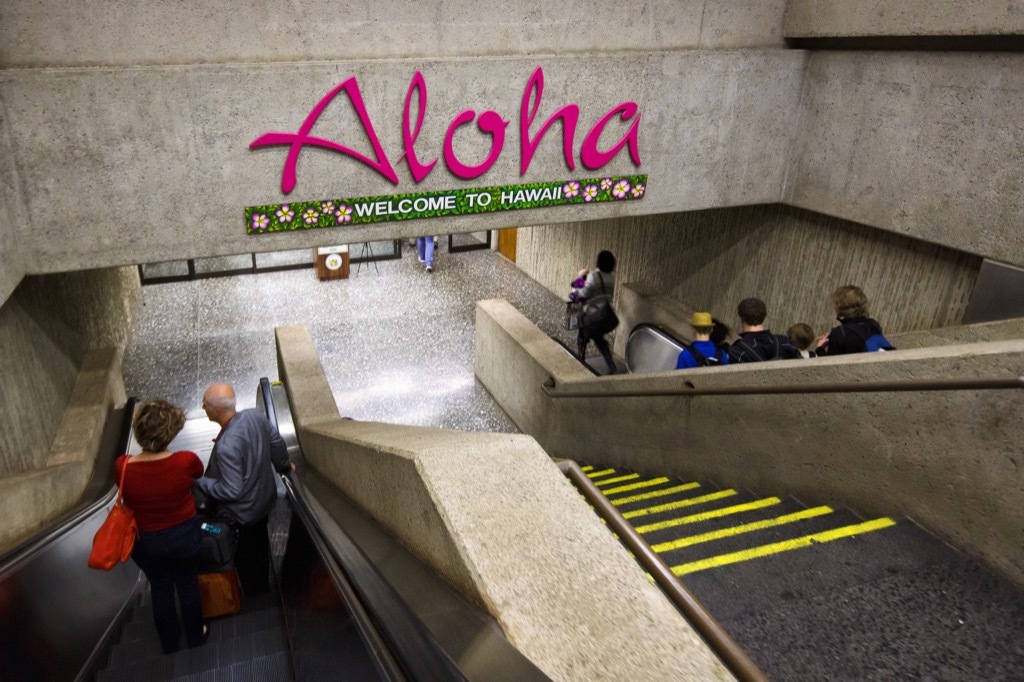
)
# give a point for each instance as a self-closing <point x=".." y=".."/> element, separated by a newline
<point x="488" y="122"/>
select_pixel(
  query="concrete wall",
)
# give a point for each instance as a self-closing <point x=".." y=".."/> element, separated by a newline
<point x="841" y="18"/>
<point x="792" y="259"/>
<point x="494" y="516"/>
<point x="46" y="330"/>
<point x="38" y="494"/>
<point x="879" y="453"/>
<point x="52" y="33"/>
<point x="922" y="144"/>
<point x="147" y="164"/>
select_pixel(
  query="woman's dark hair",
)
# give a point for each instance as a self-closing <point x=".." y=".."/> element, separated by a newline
<point x="156" y="424"/>
<point x="606" y="261"/>
<point x="719" y="332"/>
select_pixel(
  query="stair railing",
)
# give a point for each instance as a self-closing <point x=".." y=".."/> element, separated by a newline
<point x="724" y="646"/>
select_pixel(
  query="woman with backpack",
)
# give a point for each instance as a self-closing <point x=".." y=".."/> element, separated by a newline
<point x="856" y="332"/>
<point x="596" y="287"/>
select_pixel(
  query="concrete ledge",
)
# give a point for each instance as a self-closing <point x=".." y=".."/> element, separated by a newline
<point x="880" y="453"/>
<point x="1002" y="330"/>
<point x="494" y="516"/>
<point x="841" y="18"/>
<point x="29" y="500"/>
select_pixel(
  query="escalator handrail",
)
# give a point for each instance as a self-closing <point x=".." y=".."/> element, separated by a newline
<point x="574" y="356"/>
<point x="400" y="644"/>
<point x="972" y="384"/>
<point x="22" y="553"/>
<point x="724" y="646"/>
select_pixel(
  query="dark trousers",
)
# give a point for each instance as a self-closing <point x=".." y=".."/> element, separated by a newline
<point x="602" y="346"/>
<point x="252" y="559"/>
<point x="170" y="560"/>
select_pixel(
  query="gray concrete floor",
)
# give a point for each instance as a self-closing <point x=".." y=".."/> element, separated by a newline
<point x="397" y="343"/>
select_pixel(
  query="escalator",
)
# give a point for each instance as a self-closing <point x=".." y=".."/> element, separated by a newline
<point x="650" y="348"/>
<point x="819" y="593"/>
<point x="348" y="602"/>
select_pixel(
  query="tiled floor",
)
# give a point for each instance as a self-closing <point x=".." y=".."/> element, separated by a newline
<point x="396" y="342"/>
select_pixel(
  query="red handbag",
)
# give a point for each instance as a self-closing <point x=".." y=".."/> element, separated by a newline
<point x="114" y="540"/>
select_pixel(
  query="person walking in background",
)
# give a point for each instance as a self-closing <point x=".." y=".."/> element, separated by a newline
<point x="425" y="251"/>
<point x="596" y="288"/>
<point x="158" y="488"/>
<point x="756" y="342"/>
<point x="856" y="332"/>
<point x="802" y="337"/>
<point x="702" y="352"/>
<point x="240" y="480"/>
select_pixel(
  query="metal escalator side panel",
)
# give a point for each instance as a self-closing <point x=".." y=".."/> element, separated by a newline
<point x="650" y="349"/>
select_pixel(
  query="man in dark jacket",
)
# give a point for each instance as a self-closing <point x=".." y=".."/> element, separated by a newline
<point x="756" y="343"/>
<point x="240" y="479"/>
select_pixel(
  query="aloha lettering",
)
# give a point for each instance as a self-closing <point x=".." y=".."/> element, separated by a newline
<point x="488" y="122"/>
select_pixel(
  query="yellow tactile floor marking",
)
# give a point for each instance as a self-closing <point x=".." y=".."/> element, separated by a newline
<point x="787" y="545"/>
<point x="635" y="486"/>
<point x="745" y="528"/>
<point x="617" y="479"/>
<point x="655" y="493"/>
<point x="679" y="504"/>
<point x="587" y="468"/>
<point x="603" y="472"/>
<point x="713" y="514"/>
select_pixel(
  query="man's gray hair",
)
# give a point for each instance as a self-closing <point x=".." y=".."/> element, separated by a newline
<point x="222" y="402"/>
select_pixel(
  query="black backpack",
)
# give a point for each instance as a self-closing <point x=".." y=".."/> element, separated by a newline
<point x="783" y="349"/>
<point x="715" y="360"/>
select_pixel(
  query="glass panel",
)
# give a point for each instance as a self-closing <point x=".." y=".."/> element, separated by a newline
<point x="277" y="259"/>
<point x="468" y="241"/>
<point x="171" y="268"/>
<point x="367" y="250"/>
<point x="205" y="266"/>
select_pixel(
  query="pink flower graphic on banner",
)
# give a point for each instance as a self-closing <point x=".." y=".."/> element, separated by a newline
<point x="606" y="184"/>
<point x="621" y="189"/>
<point x="571" y="189"/>
<point x="260" y="221"/>
<point x="589" y="192"/>
<point x="285" y="214"/>
<point x="327" y="207"/>
<point x="638" y="191"/>
<point x="344" y="213"/>
<point x="310" y="216"/>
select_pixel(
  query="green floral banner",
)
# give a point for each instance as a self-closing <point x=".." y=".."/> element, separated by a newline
<point x="342" y="212"/>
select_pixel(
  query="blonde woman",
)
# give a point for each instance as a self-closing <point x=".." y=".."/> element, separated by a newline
<point x="158" y="488"/>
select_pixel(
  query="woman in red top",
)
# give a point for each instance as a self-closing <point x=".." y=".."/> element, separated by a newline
<point x="158" y="488"/>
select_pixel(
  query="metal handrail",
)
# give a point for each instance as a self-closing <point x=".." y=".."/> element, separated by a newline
<point x="985" y="384"/>
<point x="724" y="646"/>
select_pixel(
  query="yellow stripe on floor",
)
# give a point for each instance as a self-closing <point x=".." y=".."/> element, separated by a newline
<point x="587" y="467"/>
<point x="635" y="486"/>
<point x="713" y="514"/>
<point x="745" y="528"/>
<point x="679" y="504"/>
<point x="656" y="493"/>
<point x="785" y="546"/>
<point x="603" y="472"/>
<point x="617" y="479"/>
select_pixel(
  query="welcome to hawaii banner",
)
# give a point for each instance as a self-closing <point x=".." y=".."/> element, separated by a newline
<point x="300" y="215"/>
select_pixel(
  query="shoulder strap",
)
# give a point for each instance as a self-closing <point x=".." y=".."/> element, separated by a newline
<point x="602" y="282"/>
<point x="696" y="354"/>
<point x="120" y="486"/>
<point x="750" y="349"/>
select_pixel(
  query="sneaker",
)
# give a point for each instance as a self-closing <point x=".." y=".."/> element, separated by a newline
<point x="430" y="269"/>
<point x="420" y="259"/>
